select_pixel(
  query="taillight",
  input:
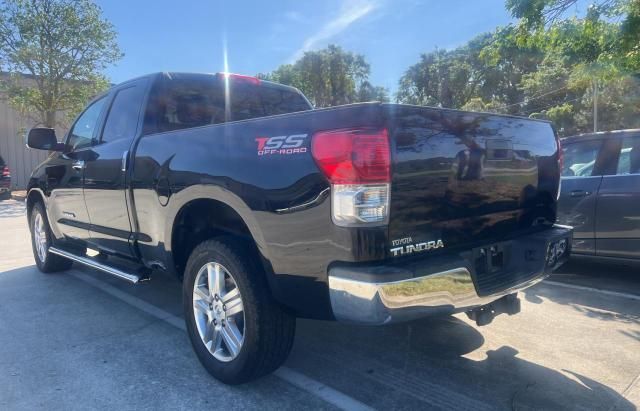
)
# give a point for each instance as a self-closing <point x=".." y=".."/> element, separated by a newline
<point x="6" y="172"/>
<point x="242" y="78"/>
<point x="357" y="163"/>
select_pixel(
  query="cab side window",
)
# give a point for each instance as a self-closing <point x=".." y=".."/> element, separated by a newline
<point x="580" y="158"/>
<point x="122" y="120"/>
<point x="81" y="135"/>
<point x="629" y="160"/>
<point x="179" y="102"/>
<point x="281" y="101"/>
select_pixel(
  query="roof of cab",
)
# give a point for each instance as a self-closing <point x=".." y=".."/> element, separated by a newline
<point x="169" y="74"/>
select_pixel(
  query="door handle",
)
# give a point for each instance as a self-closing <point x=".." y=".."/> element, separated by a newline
<point x="579" y="193"/>
<point x="78" y="165"/>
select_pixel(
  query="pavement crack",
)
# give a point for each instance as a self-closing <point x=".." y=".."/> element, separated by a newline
<point x="623" y="395"/>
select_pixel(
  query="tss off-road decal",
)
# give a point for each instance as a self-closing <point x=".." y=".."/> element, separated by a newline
<point x="281" y="144"/>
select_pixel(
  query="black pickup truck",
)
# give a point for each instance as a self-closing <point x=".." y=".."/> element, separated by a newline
<point x="270" y="210"/>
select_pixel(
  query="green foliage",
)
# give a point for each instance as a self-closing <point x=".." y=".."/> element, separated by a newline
<point x="623" y="49"/>
<point x="329" y="77"/>
<point x="546" y="66"/>
<point x="61" y="46"/>
<point x="442" y="78"/>
<point x="368" y="92"/>
<point x="487" y="70"/>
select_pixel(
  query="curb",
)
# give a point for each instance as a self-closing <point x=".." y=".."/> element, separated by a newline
<point x="19" y="196"/>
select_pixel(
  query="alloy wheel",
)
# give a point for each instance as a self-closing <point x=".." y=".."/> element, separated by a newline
<point x="218" y="311"/>
<point x="40" y="237"/>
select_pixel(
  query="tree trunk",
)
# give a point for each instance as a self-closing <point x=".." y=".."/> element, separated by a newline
<point x="50" y="120"/>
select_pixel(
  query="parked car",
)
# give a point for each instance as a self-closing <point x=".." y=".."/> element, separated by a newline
<point x="600" y="194"/>
<point x="5" y="180"/>
<point x="267" y="209"/>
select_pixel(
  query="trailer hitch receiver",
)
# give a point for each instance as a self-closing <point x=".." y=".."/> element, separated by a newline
<point x="483" y="315"/>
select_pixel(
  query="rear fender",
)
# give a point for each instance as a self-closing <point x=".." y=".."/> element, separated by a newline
<point x="197" y="192"/>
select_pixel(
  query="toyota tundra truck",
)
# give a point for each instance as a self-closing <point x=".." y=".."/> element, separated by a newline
<point x="268" y="209"/>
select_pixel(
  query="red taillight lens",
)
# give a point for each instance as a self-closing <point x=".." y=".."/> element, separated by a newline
<point x="242" y="78"/>
<point x="353" y="156"/>
<point x="357" y="162"/>
<point x="6" y="172"/>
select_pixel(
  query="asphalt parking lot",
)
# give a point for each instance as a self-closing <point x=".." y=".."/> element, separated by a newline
<point x="81" y="340"/>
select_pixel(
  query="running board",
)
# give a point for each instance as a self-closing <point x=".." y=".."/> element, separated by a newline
<point x="90" y="262"/>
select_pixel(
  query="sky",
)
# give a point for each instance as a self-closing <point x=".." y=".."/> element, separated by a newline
<point x="190" y="35"/>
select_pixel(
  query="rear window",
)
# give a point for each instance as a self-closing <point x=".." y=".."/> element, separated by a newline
<point x="250" y="101"/>
<point x="186" y="101"/>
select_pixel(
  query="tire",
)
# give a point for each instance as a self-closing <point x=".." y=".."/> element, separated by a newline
<point x="267" y="330"/>
<point x="41" y="234"/>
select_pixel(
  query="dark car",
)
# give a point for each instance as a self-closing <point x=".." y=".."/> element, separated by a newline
<point x="600" y="195"/>
<point x="269" y="210"/>
<point x="5" y="180"/>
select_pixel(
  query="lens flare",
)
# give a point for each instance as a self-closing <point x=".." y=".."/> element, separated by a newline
<point x="227" y="96"/>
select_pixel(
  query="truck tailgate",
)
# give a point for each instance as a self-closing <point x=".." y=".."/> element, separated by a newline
<point x="463" y="178"/>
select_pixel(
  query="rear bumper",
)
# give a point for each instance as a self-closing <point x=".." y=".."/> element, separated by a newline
<point x="444" y="284"/>
<point x="5" y="184"/>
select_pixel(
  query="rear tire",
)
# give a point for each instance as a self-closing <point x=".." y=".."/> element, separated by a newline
<point x="263" y="331"/>
<point x="41" y="240"/>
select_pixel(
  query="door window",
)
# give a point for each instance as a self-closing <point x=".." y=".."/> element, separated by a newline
<point x="580" y="158"/>
<point x="81" y="134"/>
<point x="122" y="120"/>
<point x="629" y="161"/>
<point x="183" y="102"/>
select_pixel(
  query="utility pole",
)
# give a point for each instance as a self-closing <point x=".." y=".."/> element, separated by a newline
<point x="595" y="105"/>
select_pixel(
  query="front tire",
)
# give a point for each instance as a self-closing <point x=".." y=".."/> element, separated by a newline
<point x="237" y="330"/>
<point x="41" y="240"/>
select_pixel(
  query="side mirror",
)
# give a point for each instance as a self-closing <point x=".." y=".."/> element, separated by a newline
<point x="41" y="138"/>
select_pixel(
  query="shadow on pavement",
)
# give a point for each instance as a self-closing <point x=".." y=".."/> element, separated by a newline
<point x="417" y="365"/>
<point x="598" y="276"/>
<point x="612" y="276"/>
<point x="424" y="362"/>
<point x="12" y="208"/>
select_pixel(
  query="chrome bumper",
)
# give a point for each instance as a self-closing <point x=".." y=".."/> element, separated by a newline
<point x="441" y="285"/>
<point x="378" y="303"/>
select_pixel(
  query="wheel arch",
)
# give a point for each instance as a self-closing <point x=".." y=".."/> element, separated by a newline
<point x="34" y="196"/>
<point x="207" y="211"/>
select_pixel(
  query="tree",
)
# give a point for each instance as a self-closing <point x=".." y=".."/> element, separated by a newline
<point x="581" y="54"/>
<point x="537" y="15"/>
<point x="369" y="92"/>
<point x="547" y="73"/>
<point x="62" y="46"/>
<point x="329" y="77"/>
<point x="441" y="78"/>
<point x="485" y="74"/>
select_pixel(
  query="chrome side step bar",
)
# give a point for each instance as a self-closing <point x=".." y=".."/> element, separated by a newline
<point x="132" y="278"/>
